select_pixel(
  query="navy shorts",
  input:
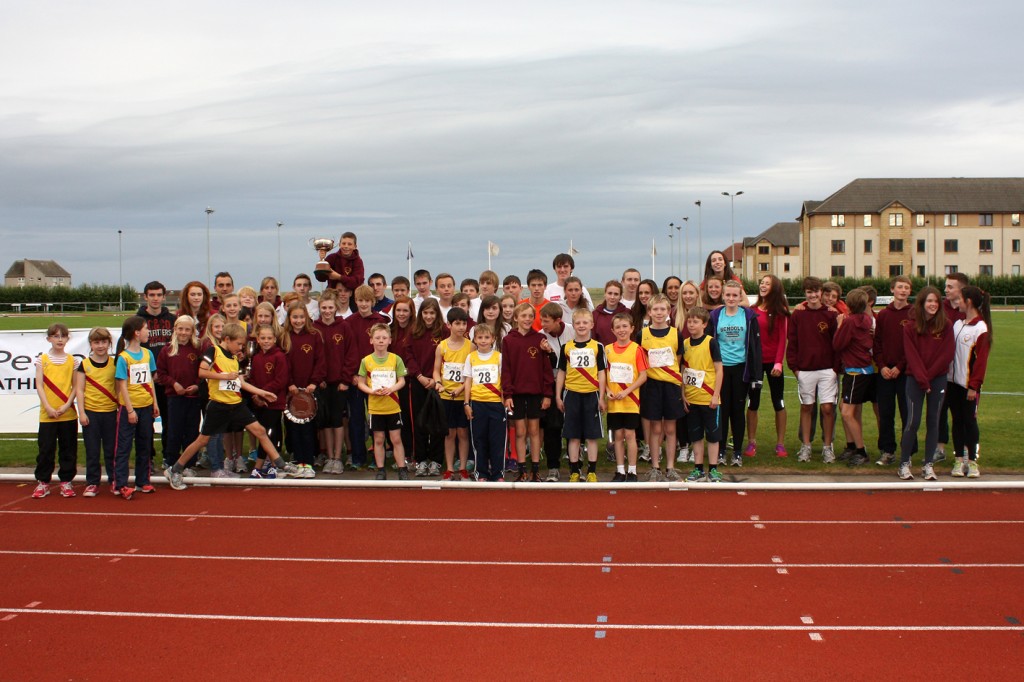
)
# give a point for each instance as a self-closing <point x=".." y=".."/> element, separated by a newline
<point x="455" y="410"/>
<point x="623" y="420"/>
<point x="582" y="416"/>
<point x="526" y="406"/>
<point x="661" y="400"/>
<point x="386" y="422"/>
<point x="702" y="421"/>
<point x="225" y="418"/>
<point x="858" y="388"/>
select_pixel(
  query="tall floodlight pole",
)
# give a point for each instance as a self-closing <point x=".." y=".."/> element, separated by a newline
<point x="671" y="250"/>
<point x="279" y="224"/>
<point x="732" y="213"/>
<point x="120" y="275"/>
<point x="208" y="212"/>
<point x="700" y="245"/>
<point x="684" y="257"/>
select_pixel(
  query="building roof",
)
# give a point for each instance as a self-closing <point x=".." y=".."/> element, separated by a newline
<point x="49" y="268"/>
<point x="779" y="234"/>
<point x="736" y="248"/>
<point x="925" y="195"/>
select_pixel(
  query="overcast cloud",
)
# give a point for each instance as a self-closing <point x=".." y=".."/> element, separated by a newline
<point x="528" y="124"/>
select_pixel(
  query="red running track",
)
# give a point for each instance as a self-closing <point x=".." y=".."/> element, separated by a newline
<point x="288" y="584"/>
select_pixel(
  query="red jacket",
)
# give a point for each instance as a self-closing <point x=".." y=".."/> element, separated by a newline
<point x="182" y="368"/>
<point x="888" y="344"/>
<point x="525" y="368"/>
<point x="359" y="346"/>
<point x="335" y="349"/>
<point x="350" y="269"/>
<point x="809" y="339"/>
<point x="928" y="355"/>
<point x="269" y="371"/>
<point x="853" y="341"/>
<point x="306" y="359"/>
<point x="422" y="352"/>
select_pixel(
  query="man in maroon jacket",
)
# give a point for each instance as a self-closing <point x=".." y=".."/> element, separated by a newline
<point x="891" y="385"/>
<point x="955" y="283"/>
<point x="358" y="347"/>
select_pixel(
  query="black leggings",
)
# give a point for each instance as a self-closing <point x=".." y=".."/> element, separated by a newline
<point x="734" y="397"/>
<point x="775" y="384"/>
<point x="916" y="399"/>
<point x="965" y="421"/>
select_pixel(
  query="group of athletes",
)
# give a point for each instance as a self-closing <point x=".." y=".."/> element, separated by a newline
<point x="476" y="382"/>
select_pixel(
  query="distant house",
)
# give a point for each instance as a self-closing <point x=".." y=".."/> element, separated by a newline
<point x="37" y="273"/>
<point x="775" y="251"/>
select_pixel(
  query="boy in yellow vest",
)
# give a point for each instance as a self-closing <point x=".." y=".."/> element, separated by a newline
<point x="702" y="393"/>
<point x="627" y="372"/>
<point x="381" y="376"/>
<point x="581" y="372"/>
<point x="58" y="425"/>
<point x="449" y="361"/>
<point x="483" y="405"/>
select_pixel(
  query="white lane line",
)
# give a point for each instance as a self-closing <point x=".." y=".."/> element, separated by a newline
<point x="466" y="562"/>
<point x="519" y="625"/>
<point x="446" y="519"/>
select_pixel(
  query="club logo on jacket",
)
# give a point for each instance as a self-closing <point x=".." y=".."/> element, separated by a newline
<point x="823" y="327"/>
<point x="307" y="348"/>
<point x="337" y="338"/>
<point x="191" y="357"/>
<point x="269" y="367"/>
<point x="533" y="351"/>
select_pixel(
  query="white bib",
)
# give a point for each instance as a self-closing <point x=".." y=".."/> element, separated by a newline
<point x="621" y="373"/>
<point x="383" y="378"/>
<point x="138" y="374"/>
<point x="582" y="358"/>
<point x="693" y="377"/>
<point x="230" y="385"/>
<point x="452" y="371"/>
<point x="661" y="357"/>
<point x="485" y="374"/>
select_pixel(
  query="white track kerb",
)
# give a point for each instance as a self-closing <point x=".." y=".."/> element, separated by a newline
<point x="201" y="481"/>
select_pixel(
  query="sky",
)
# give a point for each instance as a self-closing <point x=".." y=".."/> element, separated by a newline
<point x="449" y="125"/>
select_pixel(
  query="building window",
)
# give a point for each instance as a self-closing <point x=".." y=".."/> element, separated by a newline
<point x="785" y="267"/>
<point x="868" y="271"/>
<point x="919" y="219"/>
<point x="838" y="246"/>
<point x="951" y="246"/>
<point x="950" y="269"/>
<point x="867" y="220"/>
<point x="839" y="271"/>
<point x="985" y="245"/>
<point x="785" y="250"/>
<point x="949" y="220"/>
<point x="895" y="270"/>
<point x="1015" y="270"/>
<point x="895" y="246"/>
<point x="867" y="246"/>
<point x="764" y="250"/>
<point x="838" y="220"/>
<point x="21" y="281"/>
<point x="920" y="271"/>
<point x="1015" y="244"/>
<point x="985" y="270"/>
<point x="895" y="220"/>
<point x="985" y="219"/>
<point x="1015" y="219"/>
<point x="762" y="267"/>
<point x="921" y="245"/>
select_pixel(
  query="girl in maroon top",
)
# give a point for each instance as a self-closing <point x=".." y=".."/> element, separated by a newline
<point x="773" y="320"/>
<point x="427" y="331"/>
<point x="928" y="345"/>
<point x="852" y="343"/>
<point x="332" y="391"/>
<point x="177" y="370"/>
<point x="304" y="348"/>
<point x="195" y="302"/>
<point x="268" y="371"/>
<point x="606" y="310"/>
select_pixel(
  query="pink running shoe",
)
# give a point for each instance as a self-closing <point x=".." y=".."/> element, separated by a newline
<point x="780" y="451"/>
<point x="751" y="449"/>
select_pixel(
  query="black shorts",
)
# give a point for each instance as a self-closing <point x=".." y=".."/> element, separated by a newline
<point x="333" y="407"/>
<point x="455" y="410"/>
<point x="386" y="422"/>
<point x="224" y="418"/>
<point x="582" y="417"/>
<point x="703" y="422"/>
<point x="526" y="406"/>
<point x="623" y="420"/>
<point x="661" y="400"/>
<point x="858" y="388"/>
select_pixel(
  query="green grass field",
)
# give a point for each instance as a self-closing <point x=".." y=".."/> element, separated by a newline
<point x="1001" y="408"/>
<point x="72" y="320"/>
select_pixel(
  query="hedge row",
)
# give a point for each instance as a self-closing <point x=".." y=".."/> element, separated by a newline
<point x="1004" y="285"/>
<point x="85" y="293"/>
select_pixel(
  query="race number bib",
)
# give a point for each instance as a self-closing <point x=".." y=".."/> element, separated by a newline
<point x="383" y="378"/>
<point x="661" y="357"/>
<point x="138" y="374"/>
<point x="621" y="373"/>
<point x="230" y="385"/>
<point x="693" y="377"/>
<point x="485" y="374"/>
<point x="582" y="358"/>
<point x="452" y="371"/>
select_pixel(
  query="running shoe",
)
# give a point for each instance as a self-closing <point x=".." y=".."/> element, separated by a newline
<point x="255" y="473"/>
<point x="67" y="489"/>
<point x="448" y="475"/>
<point x="655" y="476"/>
<point x="928" y="471"/>
<point x="421" y="469"/>
<point x="403" y="474"/>
<point x="805" y="453"/>
<point x="382" y="474"/>
<point x="308" y="471"/>
<point x="464" y="474"/>
<point x="886" y="459"/>
<point x="857" y="459"/>
<point x="240" y="465"/>
<point x="554" y="475"/>
<point x="939" y="455"/>
<point x="684" y="455"/>
<point x="253" y="454"/>
<point x="591" y="477"/>
<point x="147" y="489"/>
<point x="828" y="455"/>
<point x="271" y="472"/>
<point x="204" y="461"/>
<point x="574" y="477"/>
<point x="186" y="472"/>
<point x="522" y="476"/>
<point x="113" y="488"/>
<point x="174" y="479"/>
<point x="780" y="451"/>
<point x="631" y="478"/>
<point x="535" y="477"/>
<point x="904" y="472"/>
<point x="645" y="452"/>
<point x="511" y="465"/>
<point x="223" y="473"/>
<point x="290" y="469"/>
<point x="320" y="460"/>
<point x="127" y="492"/>
<point x="845" y="455"/>
<point x="737" y="461"/>
<point x="714" y="476"/>
<point x="958" y="468"/>
<point x="41" y="490"/>
<point x="619" y="478"/>
<point x="972" y="469"/>
<point x="751" y="449"/>
<point x="672" y="474"/>
<point x="434" y="469"/>
<point x="696" y="476"/>
<point x="91" y="491"/>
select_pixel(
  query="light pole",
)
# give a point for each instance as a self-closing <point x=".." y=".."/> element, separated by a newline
<point x="732" y="213"/>
<point x="700" y="212"/>
<point x="684" y="256"/>
<point x="208" y="212"/>
<point x="671" y="250"/>
<point x="120" y="276"/>
<point x="279" y="224"/>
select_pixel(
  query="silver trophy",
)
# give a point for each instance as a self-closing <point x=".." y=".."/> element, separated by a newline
<point x="323" y="269"/>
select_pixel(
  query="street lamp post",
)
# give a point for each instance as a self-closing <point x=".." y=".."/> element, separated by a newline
<point x="732" y="213"/>
<point x="684" y="256"/>
<point x="208" y="212"/>
<point x="700" y="245"/>
<point x="279" y="224"/>
<point x="671" y="250"/>
<point x="120" y="276"/>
